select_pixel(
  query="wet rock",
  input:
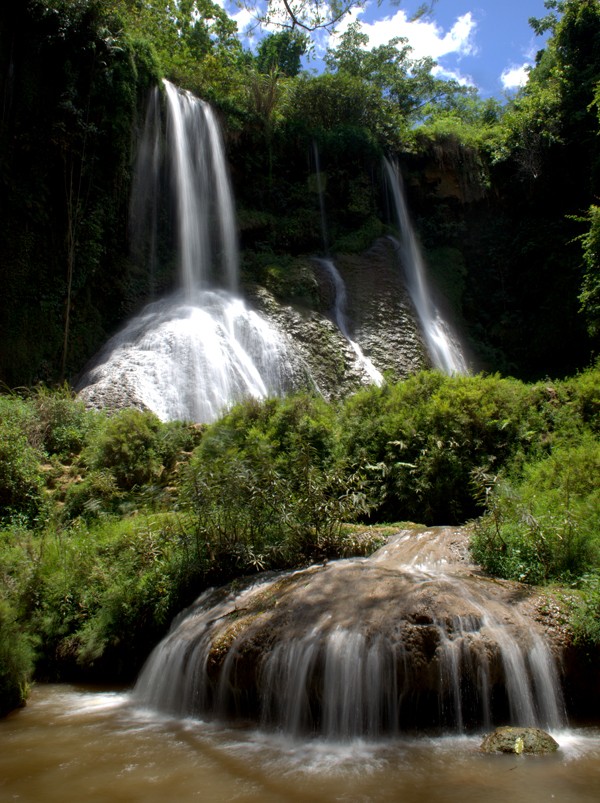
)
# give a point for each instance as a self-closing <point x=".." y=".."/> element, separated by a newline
<point x="403" y="640"/>
<point x="519" y="740"/>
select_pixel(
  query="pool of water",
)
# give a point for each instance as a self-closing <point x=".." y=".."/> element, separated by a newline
<point x="75" y="744"/>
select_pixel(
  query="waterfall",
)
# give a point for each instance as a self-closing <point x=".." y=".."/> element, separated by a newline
<point x="321" y="193"/>
<point x="339" y="316"/>
<point x="327" y="266"/>
<point x="442" y="343"/>
<point x="360" y="648"/>
<point x="194" y="353"/>
<point x="207" y="236"/>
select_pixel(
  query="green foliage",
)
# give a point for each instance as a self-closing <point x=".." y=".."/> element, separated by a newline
<point x="423" y="437"/>
<point x="282" y="52"/>
<point x="17" y="646"/>
<point x="331" y="101"/>
<point x="128" y="445"/>
<point x="94" y="496"/>
<point x="21" y="489"/>
<point x="64" y="421"/>
<point x="99" y="597"/>
<point x="545" y="527"/>
<point x="16" y="660"/>
<point x="407" y="84"/>
<point x="590" y="291"/>
<point x="268" y="505"/>
<point x="585" y="620"/>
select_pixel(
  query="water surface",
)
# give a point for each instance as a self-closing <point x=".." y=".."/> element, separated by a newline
<point x="72" y="744"/>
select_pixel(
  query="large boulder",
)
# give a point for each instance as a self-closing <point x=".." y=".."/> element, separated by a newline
<point x="519" y="740"/>
<point x="412" y="638"/>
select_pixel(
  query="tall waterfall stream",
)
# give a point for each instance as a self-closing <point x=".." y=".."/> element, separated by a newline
<point x="443" y="344"/>
<point x="193" y="354"/>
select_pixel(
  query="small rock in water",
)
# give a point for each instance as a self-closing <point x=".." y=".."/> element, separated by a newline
<point x="519" y="740"/>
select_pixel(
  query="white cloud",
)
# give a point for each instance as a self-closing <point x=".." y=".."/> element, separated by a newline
<point x="515" y="76"/>
<point x="426" y="38"/>
<point x="244" y="19"/>
<point x="452" y="75"/>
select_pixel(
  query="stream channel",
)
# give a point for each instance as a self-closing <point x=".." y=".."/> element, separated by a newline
<point x="73" y="744"/>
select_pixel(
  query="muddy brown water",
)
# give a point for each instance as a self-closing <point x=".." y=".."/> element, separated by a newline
<point x="72" y="744"/>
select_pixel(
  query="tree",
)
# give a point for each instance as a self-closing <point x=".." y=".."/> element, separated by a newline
<point x="184" y="33"/>
<point x="407" y="83"/>
<point x="590" y="290"/>
<point x="313" y="15"/>
<point x="282" y="52"/>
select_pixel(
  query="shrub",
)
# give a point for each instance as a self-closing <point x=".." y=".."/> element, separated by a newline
<point x="21" y="486"/>
<point x="128" y="445"/>
<point x="63" y="420"/>
<point x="16" y="643"/>
<point x="547" y="526"/>
<point x="95" y="495"/>
<point x="16" y="660"/>
<point x="585" y="620"/>
<point x="269" y="501"/>
<point x="422" y="437"/>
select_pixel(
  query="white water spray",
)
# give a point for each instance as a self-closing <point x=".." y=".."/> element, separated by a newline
<point x="195" y="353"/>
<point x="442" y="343"/>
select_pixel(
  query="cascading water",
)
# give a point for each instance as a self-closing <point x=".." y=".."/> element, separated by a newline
<point x="193" y="354"/>
<point x="339" y="316"/>
<point x="404" y="640"/>
<point x="327" y="266"/>
<point x="207" y="236"/>
<point x="442" y="344"/>
<point x="321" y="194"/>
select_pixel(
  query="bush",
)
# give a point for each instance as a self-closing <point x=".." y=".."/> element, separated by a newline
<point x="585" y="619"/>
<point x="63" y="420"/>
<point x="547" y="526"/>
<point x="128" y="445"/>
<point x="421" y="438"/>
<point x="255" y="509"/>
<point x="21" y="486"/>
<point x="16" y="642"/>
<point x="16" y="660"/>
<point x="95" y="495"/>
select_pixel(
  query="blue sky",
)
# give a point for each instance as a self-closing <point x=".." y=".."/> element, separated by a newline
<point x="483" y="43"/>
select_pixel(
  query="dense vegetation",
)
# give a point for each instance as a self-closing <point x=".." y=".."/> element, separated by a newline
<point x="110" y="525"/>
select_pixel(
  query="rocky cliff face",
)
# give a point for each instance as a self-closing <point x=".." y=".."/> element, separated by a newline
<point x="380" y="318"/>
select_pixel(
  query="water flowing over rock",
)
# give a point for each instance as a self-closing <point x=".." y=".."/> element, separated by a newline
<point x="339" y="312"/>
<point x="443" y="344"/>
<point x="412" y="638"/>
<point x="190" y="358"/>
<point x="195" y="353"/>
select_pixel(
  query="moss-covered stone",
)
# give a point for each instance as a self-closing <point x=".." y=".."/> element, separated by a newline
<point x="519" y="740"/>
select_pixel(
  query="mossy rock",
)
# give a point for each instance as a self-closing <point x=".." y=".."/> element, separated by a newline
<point x="519" y="740"/>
